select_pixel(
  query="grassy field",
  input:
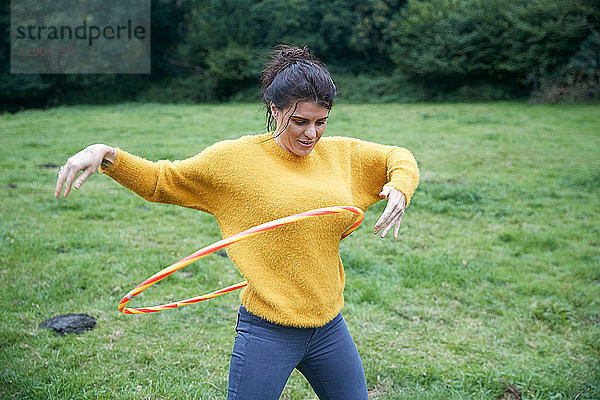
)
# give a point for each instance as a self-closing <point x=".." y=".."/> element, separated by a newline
<point x="491" y="292"/>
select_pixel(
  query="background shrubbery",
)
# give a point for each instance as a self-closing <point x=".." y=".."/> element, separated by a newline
<point x="378" y="50"/>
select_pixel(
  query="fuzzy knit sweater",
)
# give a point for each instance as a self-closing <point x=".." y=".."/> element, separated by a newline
<point x="294" y="273"/>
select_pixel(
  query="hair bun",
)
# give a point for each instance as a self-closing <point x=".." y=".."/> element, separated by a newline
<point x="291" y="54"/>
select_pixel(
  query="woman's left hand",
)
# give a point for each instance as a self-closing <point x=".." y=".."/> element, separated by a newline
<point x="393" y="212"/>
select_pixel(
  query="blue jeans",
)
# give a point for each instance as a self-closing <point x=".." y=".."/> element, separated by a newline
<point x="265" y="354"/>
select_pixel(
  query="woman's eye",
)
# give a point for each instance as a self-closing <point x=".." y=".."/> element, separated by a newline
<point x="300" y="122"/>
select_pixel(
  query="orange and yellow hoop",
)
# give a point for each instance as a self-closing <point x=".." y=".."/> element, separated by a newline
<point x="219" y="245"/>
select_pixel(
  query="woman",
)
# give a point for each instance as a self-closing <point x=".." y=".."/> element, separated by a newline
<point x="290" y="313"/>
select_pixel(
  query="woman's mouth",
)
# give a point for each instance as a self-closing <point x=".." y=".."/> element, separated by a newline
<point x="307" y="143"/>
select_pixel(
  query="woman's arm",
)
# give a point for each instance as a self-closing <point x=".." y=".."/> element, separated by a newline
<point x="402" y="175"/>
<point x="402" y="171"/>
<point x="383" y="172"/>
<point x="377" y="165"/>
<point x="187" y="183"/>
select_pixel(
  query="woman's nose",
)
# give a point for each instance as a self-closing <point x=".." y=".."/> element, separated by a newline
<point x="311" y="132"/>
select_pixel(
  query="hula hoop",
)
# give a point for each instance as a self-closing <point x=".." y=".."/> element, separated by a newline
<point x="219" y="245"/>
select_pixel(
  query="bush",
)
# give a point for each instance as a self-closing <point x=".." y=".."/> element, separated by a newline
<point x="191" y="89"/>
<point x="446" y="43"/>
<point x="515" y="45"/>
<point x="578" y="81"/>
<point x="377" y="88"/>
<point x="232" y="69"/>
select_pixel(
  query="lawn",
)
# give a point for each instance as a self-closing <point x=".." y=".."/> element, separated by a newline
<point x="492" y="290"/>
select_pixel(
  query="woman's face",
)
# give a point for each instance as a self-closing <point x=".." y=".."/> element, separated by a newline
<point x="306" y="126"/>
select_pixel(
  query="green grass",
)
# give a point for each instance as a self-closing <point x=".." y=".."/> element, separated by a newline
<point x="495" y="280"/>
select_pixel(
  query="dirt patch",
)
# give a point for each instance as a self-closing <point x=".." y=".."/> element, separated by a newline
<point x="377" y="391"/>
<point x="69" y="323"/>
<point x="512" y="393"/>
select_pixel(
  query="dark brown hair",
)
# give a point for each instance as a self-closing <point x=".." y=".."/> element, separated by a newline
<point x="293" y="75"/>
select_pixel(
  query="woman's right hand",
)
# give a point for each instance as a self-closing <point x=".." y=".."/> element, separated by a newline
<point x="87" y="160"/>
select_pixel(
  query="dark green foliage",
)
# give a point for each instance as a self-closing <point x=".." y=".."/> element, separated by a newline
<point x="456" y="46"/>
<point x="191" y="89"/>
<point x="230" y="40"/>
<point x="541" y="35"/>
<point x="232" y="68"/>
<point x="39" y="90"/>
<point x="578" y="80"/>
<point x="379" y="88"/>
<point x="16" y="90"/>
<point x="377" y="51"/>
<point x="445" y="41"/>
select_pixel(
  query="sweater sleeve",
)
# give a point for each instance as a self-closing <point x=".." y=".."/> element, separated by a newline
<point x="375" y="165"/>
<point x="402" y="171"/>
<point x="186" y="183"/>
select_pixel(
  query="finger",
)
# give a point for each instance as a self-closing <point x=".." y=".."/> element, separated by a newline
<point x="387" y="228"/>
<point x="382" y="221"/>
<point x="385" y="192"/>
<point x="398" y="221"/>
<point x="390" y="213"/>
<point x="398" y="217"/>
<point x="83" y="177"/>
<point x="391" y="224"/>
<point x="59" y="182"/>
<point x="71" y="174"/>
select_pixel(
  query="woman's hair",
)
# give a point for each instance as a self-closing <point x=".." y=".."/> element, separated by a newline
<point x="293" y="75"/>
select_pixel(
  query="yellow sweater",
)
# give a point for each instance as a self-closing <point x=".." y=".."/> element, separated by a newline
<point x="294" y="273"/>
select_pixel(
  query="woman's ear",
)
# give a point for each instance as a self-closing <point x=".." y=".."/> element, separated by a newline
<point x="274" y="110"/>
